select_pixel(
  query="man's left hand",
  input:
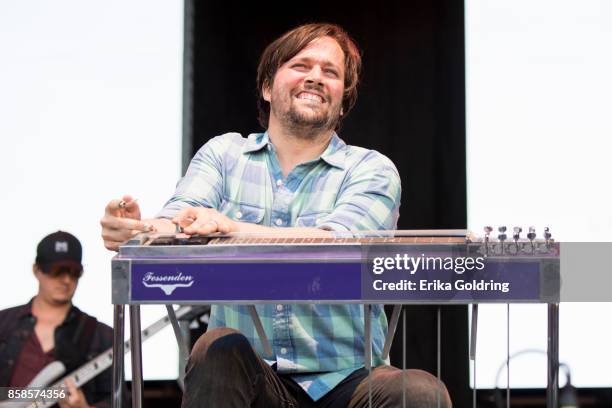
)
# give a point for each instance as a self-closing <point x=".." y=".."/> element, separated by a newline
<point x="75" y="399"/>
<point x="200" y="220"/>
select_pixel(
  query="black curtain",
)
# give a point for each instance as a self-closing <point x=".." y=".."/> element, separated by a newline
<point x="411" y="107"/>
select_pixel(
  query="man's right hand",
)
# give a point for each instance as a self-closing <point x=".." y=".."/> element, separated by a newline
<point x="121" y="221"/>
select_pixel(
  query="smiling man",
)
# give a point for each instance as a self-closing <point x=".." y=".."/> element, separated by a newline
<point x="297" y="178"/>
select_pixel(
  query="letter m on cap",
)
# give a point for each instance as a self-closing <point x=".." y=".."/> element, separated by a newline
<point x="61" y="246"/>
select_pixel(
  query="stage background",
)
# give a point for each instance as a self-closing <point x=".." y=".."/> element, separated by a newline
<point x="538" y="146"/>
<point x="91" y="109"/>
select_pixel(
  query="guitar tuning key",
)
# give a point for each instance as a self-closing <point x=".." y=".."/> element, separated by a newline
<point x="531" y="236"/>
<point x="502" y="233"/>
<point x="488" y="229"/>
<point x="502" y="236"/>
<point x="547" y="235"/>
<point x="517" y="233"/>
<point x="516" y="236"/>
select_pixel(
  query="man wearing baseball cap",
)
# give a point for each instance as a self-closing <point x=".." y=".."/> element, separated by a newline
<point x="50" y="328"/>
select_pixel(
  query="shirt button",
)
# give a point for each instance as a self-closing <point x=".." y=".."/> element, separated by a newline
<point x="238" y="214"/>
<point x="283" y="350"/>
<point x="279" y="222"/>
<point x="279" y="308"/>
<point x="279" y="182"/>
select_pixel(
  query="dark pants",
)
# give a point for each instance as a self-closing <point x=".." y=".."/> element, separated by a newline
<point x="225" y="372"/>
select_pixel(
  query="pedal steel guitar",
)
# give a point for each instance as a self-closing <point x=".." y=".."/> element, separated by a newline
<point x="386" y="267"/>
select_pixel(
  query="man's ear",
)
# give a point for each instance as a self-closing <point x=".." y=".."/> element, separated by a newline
<point x="265" y="92"/>
<point x="35" y="270"/>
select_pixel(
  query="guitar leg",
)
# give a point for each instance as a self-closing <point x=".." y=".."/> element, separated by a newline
<point x="552" y="388"/>
<point x="136" y="339"/>
<point x="118" y="354"/>
<point x="367" y="314"/>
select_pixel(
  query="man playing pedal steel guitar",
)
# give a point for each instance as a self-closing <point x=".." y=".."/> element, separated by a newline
<point x="298" y="178"/>
<point x="50" y="328"/>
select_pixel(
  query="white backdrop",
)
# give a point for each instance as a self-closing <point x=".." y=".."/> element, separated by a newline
<point x="90" y="102"/>
<point x="538" y="146"/>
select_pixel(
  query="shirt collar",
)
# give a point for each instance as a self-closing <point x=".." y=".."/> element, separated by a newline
<point x="334" y="154"/>
<point x="26" y="311"/>
<point x="256" y="142"/>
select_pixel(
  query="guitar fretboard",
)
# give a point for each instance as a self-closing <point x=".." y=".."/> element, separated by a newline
<point x="333" y="241"/>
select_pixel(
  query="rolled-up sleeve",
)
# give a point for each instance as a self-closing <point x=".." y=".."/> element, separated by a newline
<point x="369" y="198"/>
<point x="202" y="185"/>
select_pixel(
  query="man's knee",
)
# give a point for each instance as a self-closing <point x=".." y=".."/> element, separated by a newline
<point x="217" y="360"/>
<point x="205" y="341"/>
<point x="418" y="388"/>
<point x="422" y="389"/>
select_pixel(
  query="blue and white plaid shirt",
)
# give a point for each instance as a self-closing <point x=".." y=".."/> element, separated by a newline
<point x="346" y="188"/>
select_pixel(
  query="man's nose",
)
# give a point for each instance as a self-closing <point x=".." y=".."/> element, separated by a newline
<point x="66" y="278"/>
<point x="315" y="76"/>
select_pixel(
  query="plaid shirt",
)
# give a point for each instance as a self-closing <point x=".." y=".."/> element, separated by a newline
<point x="346" y="188"/>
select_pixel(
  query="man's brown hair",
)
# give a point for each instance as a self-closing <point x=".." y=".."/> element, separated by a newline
<point x="290" y="44"/>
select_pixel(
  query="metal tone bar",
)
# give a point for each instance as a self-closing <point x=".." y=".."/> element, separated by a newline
<point x="367" y="315"/>
<point x="439" y="351"/>
<point x="508" y="355"/>
<point x="118" y="354"/>
<point x="177" y="329"/>
<point x="552" y="389"/>
<point x="391" y="330"/>
<point x="136" y="340"/>
<point x="260" y="330"/>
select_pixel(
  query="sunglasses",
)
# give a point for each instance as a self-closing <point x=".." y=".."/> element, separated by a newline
<point x="59" y="270"/>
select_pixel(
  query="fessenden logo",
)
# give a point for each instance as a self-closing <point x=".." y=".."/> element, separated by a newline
<point x="167" y="283"/>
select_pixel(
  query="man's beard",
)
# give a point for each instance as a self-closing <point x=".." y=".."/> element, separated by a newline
<point x="307" y="125"/>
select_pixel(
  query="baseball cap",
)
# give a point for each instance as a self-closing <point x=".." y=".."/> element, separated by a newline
<point x="59" y="248"/>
